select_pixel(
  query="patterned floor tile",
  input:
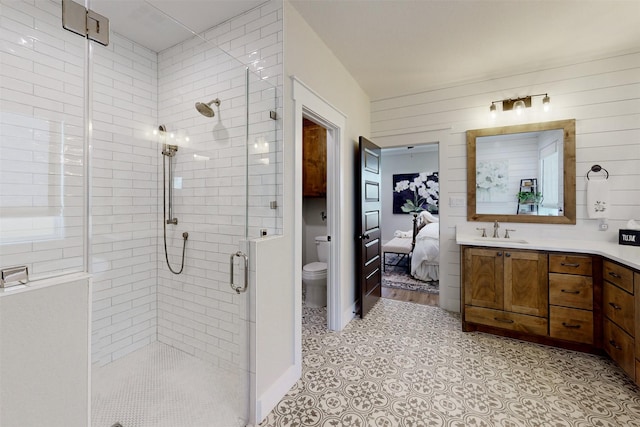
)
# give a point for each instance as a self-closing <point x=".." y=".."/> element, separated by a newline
<point x="411" y="365"/>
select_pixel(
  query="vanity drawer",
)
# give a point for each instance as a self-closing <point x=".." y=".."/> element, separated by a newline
<point x="618" y="275"/>
<point x="619" y="345"/>
<point x="570" y="264"/>
<point x="568" y="290"/>
<point x="571" y="324"/>
<point x="506" y="320"/>
<point x="618" y="306"/>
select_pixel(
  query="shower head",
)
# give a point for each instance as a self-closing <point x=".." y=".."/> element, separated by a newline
<point x="205" y="109"/>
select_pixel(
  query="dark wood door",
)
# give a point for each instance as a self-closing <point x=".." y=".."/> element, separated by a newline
<point x="368" y="226"/>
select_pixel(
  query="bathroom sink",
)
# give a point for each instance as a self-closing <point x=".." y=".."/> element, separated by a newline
<point x="500" y="240"/>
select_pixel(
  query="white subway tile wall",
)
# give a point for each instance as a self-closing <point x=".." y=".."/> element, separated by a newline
<point x="41" y="141"/>
<point x="198" y="311"/>
<point x="136" y="299"/>
<point x="124" y="198"/>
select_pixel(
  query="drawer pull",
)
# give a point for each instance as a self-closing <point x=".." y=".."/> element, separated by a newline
<point x="499" y="254"/>
<point x="567" y="325"/>
<point x="497" y="319"/>
<point x="615" y="306"/>
<point x="617" y="276"/>
<point x="566" y="264"/>
<point x="566" y="291"/>
<point x="615" y="345"/>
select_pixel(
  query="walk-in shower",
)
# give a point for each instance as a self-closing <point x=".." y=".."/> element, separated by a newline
<point x="87" y="176"/>
<point x="168" y="153"/>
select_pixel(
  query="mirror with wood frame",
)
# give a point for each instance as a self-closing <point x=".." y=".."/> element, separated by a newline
<point x="522" y="173"/>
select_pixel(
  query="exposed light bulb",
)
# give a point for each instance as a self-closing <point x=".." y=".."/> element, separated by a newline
<point x="546" y="103"/>
<point x="492" y="111"/>
<point x="518" y="106"/>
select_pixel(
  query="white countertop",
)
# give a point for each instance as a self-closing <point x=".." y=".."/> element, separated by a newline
<point x="627" y="255"/>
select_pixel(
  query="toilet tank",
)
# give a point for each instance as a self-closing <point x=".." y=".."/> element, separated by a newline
<point x="322" y="248"/>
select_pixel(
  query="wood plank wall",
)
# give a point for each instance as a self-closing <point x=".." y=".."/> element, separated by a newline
<point x="603" y="95"/>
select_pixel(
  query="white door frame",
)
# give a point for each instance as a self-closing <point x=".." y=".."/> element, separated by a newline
<point x="309" y="104"/>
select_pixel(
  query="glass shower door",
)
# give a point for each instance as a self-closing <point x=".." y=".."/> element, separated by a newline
<point x="42" y="132"/>
<point x="167" y="327"/>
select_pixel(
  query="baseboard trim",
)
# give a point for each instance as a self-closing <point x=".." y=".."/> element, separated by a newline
<point x="347" y="315"/>
<point x="269" y="399"/>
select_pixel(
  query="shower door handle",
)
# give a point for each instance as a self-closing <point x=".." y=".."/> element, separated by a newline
<point x="243" y="288"/>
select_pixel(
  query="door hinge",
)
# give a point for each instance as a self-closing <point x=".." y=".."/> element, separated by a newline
<point x="85" y="22"/>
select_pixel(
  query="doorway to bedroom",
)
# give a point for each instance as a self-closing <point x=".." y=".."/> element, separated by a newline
<point x="410" y="223"/>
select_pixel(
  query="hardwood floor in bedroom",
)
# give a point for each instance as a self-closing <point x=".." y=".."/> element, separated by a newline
<point x="411" y="296"/>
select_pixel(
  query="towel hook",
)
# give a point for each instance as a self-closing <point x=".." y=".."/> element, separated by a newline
<point x="598" y="168"/>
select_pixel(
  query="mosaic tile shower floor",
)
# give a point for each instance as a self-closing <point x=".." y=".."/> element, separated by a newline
<point x="433" y="374"/>
<point x="160" y="386"/>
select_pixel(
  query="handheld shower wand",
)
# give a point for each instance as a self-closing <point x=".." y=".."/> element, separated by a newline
<point x="169" y="151"/>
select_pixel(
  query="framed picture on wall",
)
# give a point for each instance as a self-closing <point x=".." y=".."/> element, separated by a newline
<point x="416" y="192"/>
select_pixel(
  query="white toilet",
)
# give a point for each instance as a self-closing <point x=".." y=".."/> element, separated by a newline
<point x="314" y="276"/>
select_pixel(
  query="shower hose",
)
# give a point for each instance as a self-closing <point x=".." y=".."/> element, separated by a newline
<point x="185" y="235"/>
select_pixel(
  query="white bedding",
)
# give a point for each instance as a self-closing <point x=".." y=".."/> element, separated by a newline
<point x="426" y="253"/>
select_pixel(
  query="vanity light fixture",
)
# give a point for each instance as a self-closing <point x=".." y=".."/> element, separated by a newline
<point x="519" y="104"/>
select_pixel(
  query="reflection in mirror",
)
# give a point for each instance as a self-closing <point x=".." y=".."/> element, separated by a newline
<point x="519" y="173"/>
<point x="523" y="173"/>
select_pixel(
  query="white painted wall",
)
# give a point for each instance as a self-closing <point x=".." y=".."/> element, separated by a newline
<point x="312" y="226"/>
<point x="310" y="60"/>
<point x="395" y="163"/>
<point x="603" y="95"/>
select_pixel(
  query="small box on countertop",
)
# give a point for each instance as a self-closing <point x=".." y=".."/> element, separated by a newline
<point x="629" y="237"/>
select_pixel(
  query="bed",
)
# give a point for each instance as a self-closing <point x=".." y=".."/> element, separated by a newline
<point x="421" y="245"/>
<point x="425" y="257"/>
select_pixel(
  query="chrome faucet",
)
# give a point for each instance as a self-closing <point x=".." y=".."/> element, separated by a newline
<point x="495" y="230"/>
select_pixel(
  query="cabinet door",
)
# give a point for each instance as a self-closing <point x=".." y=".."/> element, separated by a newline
<point x="526" y="283"/>
<point x="484" y="278"/>
<point x="636" y="278"/>
<point x="314" y="160"/>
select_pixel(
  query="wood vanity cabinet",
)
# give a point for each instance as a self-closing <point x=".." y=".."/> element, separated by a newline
<point x="636" y="280"/>
<point x="506" y="289"/>
<point x="314" y="160"/>
<point x="571" y="298"/>
<point x="618" y="306"/>
<point x="578" y="301"/>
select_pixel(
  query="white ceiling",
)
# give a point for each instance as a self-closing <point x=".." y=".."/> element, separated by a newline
<point x="160" y="24"/>
<point x="396" y="47"/>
